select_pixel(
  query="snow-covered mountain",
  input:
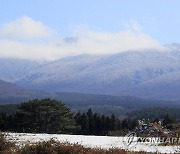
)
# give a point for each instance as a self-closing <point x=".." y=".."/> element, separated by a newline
<point x="147" y="73"/>
<point x="12" y="69"/>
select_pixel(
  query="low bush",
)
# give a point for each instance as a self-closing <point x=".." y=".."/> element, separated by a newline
<point x="54" y="147"/>
<point x="6" y="147"/>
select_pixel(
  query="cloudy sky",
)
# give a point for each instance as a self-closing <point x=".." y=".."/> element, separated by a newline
<point x="51" y="29"/>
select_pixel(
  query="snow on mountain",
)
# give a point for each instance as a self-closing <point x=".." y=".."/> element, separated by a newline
<point x="12" y="69"/>
<point x="166" y="86"/>
<point x="173" y="47"/>
<point x="150" y="73"/>
<point x="116" y="74"/>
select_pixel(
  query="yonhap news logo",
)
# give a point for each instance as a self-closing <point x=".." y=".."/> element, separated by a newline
<point x="130" y="140"/>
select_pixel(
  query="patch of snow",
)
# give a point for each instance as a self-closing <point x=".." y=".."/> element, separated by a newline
<point x="105" y="142"/>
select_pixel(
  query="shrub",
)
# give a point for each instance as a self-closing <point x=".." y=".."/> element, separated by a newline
<point x="54" y="147"/>
<point x="64" y="148"/>
<point x="6" y="147"/>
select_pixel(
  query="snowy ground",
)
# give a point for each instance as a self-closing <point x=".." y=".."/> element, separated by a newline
<point x="105" y="142"/>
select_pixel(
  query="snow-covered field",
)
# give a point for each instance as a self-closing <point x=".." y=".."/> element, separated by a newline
<point x="105" y="142"/>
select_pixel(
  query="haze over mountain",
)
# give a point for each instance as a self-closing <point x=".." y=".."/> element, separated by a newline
<point x="12" y="69"/>
<point x="11" y="93"/>
<point x="149" y="73"/>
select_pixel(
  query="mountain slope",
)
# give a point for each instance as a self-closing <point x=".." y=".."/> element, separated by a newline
<point x="11" y="93"/>
<point x="166" y="86"/>
<point x="12" y="69"/>
<point x="119" y="74"/>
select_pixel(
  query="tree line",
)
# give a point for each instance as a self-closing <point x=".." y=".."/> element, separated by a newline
<point x="52" y="116"/>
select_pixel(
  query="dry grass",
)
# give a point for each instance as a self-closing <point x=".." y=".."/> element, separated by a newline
<point x="54" y="147"/>
<point x="5" y="146"/>
<point x="64" y="148"/>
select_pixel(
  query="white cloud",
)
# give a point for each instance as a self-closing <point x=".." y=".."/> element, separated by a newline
<point x="88" y="41"/>
<point x="107" y="43"/>
<point x="133" y="25"/>
<point x="25" y="28"/>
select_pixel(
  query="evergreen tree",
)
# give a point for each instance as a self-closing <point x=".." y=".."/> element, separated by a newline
<point x="167" y="120"/>
<point x="113" y="122"/>
<point x="44" y="116"/>
<point x="94" y="124"/>
<point x="3" y="121"/>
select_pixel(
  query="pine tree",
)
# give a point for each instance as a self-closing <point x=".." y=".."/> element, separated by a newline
<point x="44" y="116"/>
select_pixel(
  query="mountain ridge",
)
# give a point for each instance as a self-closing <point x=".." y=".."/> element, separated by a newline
<point x="150" y="72"/>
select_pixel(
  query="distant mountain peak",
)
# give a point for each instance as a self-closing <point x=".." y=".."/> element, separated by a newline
<point x="150" y="72"/>
<point x="173" y="46"/>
